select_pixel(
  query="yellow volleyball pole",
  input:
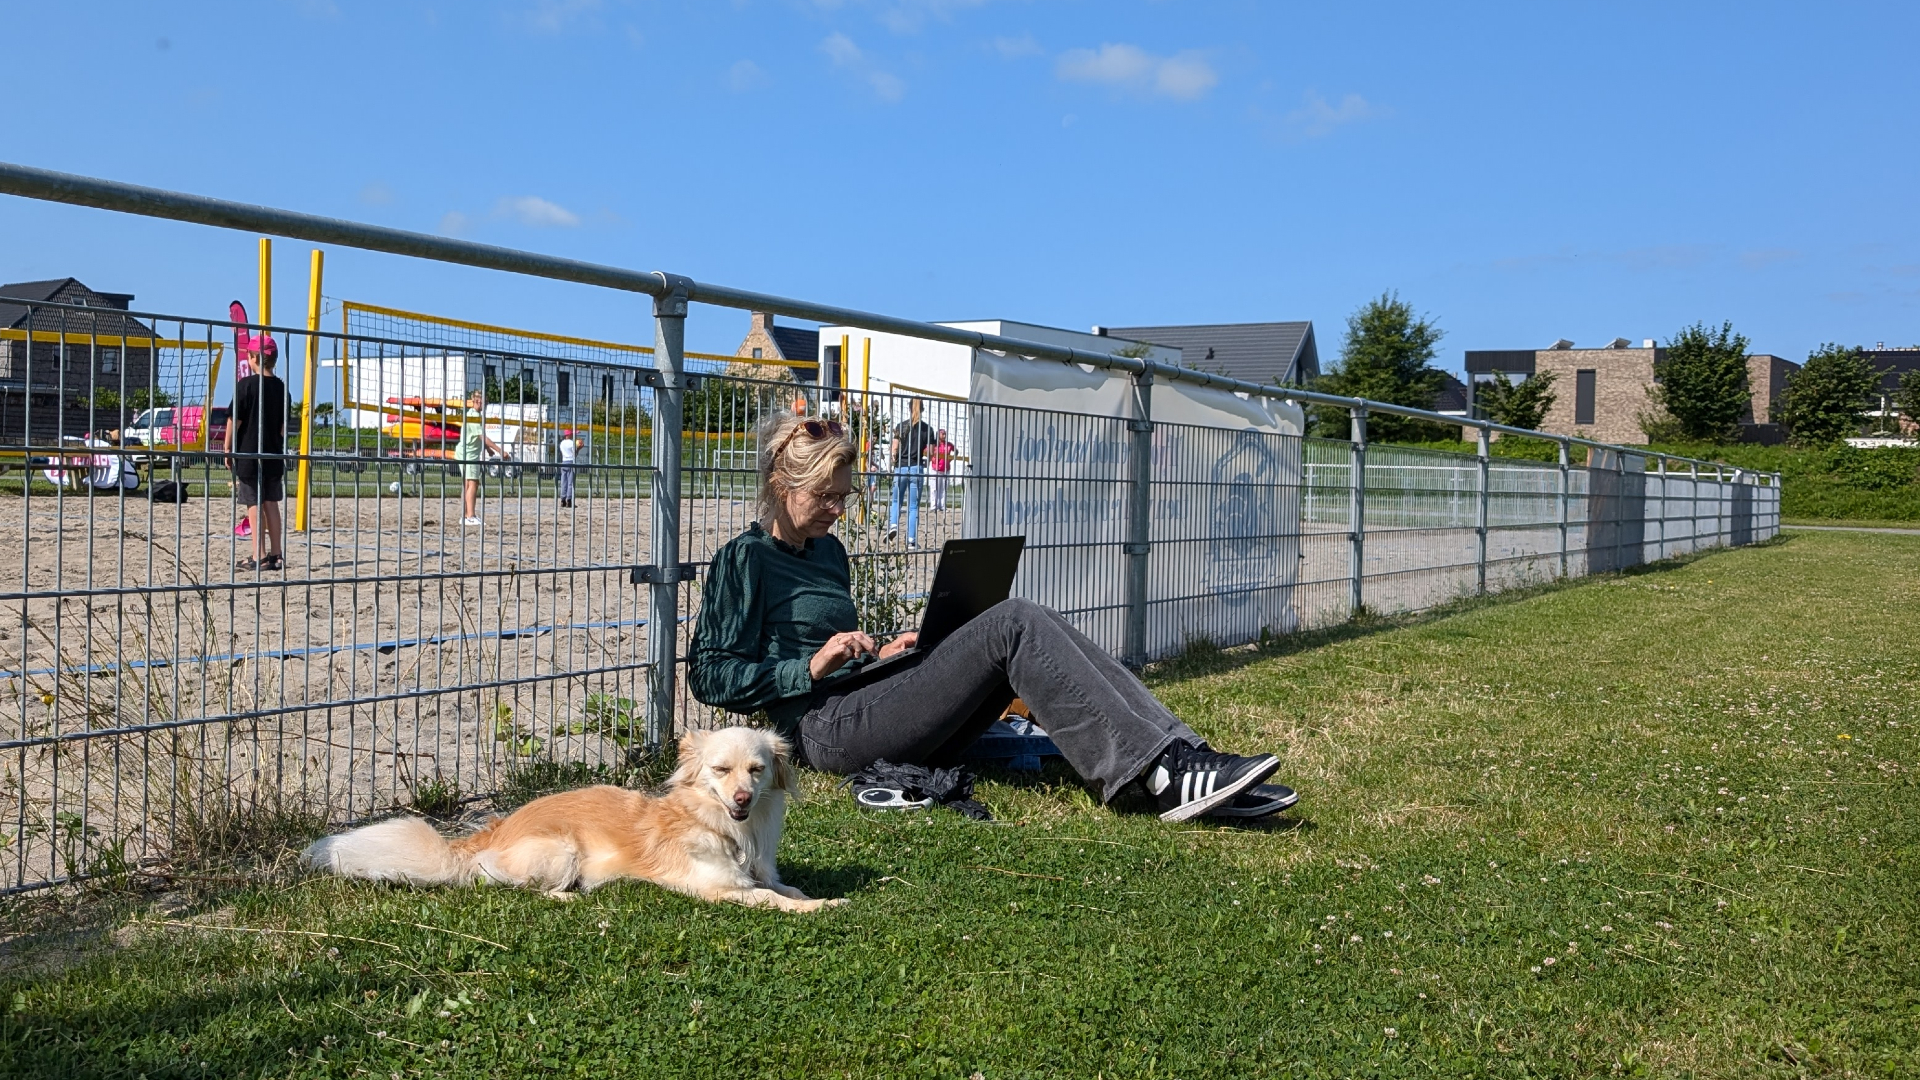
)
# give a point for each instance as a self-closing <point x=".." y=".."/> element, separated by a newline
<point x="265" y="315"/>
<point x="301" y="494"/>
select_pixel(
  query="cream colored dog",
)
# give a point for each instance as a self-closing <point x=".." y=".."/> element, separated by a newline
<point x="712" y="835"/>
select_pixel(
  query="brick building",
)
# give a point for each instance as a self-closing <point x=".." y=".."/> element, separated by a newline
<point x="1604" y="393"/>
<point x="82" y="368"/>
<point x="766" y="341"/>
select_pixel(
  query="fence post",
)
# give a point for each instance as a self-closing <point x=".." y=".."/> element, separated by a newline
<point x="1721" y="510"/>
<point x="1662" y="470"/>
<point x="1566" y="491"/>
<point x="1693" y="506"/>
<point x="1357" y="509"/>
<point x="663" y="614"/>
<point x="1480" y="513"/>
<point x="1139" y="543"/>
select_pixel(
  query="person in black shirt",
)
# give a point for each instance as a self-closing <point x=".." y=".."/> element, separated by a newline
<point x="912" y="440"/>
<point x="256" y="452"/>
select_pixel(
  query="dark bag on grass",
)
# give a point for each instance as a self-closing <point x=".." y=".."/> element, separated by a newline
<point x="168" y="491"/>
<point x="951" y="788"/>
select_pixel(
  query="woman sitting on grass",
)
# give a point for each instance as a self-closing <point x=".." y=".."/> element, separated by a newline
<point x="778" y="631"/>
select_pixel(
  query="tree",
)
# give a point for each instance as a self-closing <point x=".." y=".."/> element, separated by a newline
<point x="1907" y="400"/>
<point x="1827" y="399"/>
<point x="1702" y="382"/>
<point x="1385" y="358"/>
<point x="323" y="414"/>
<point x="514" y="391"/>
<point x="1523" y="404"/>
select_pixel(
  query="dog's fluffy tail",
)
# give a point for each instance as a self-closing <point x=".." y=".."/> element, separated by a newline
<point x="404" y="849"/>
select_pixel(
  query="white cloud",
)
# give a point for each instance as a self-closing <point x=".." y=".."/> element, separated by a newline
<point x="454" y="223"/>
<point x="554" y="16"/>
<point x="1319" y="116"/>
<point x="910" y="16"/>
<point x="845" y="54"/>
<point x="841" y="49"/>
<point x="536" y="212"/>
<point x="889" y="88"/>
<point x="1184" y="76"/>
<point x="1111" y="64"/>
<point x="745" y="75"/>
<point x="1013" y="48"/>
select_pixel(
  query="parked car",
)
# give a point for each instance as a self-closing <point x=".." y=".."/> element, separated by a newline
<point x="177" y="427"/>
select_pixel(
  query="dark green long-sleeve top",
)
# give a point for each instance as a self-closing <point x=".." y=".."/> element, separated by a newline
<point x="766" y="608"/>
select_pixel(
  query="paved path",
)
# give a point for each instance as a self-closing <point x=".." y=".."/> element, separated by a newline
<point x="1854" y="528"/>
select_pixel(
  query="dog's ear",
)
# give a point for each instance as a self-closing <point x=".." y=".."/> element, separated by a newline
<point x="692" y="749"/>
<point x="785" y="777"/>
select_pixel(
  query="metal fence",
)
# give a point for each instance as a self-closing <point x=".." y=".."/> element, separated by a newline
<point x="405" y="657"/>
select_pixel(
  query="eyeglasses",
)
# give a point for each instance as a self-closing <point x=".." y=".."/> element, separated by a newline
<point x="831" y="498"/>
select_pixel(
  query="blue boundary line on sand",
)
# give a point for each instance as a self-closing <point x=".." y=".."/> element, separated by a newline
<point x="322" y="650"/>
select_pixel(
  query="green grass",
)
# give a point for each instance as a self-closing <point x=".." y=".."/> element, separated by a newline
<point x="1851" y="523"/>
<point x="1690" y="788"/>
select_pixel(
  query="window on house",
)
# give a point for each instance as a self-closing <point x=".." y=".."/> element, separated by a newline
<point x="830" y="372"/>
<point x="563" y="389"/>
<point x="1583" y="387"/>
<point x="109" y="361"/>
<point x="756" y="353"/>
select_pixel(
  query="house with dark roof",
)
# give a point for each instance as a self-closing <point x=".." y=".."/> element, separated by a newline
<point x="767" y="341"/>
<point x="1262" y="352"/>
<point x="82" y="367"/>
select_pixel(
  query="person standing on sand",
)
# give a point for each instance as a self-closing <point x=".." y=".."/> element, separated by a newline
<point x="940" y="460"/>
<point x="256" y="446"/>
<point x="569" y="450"/>
<point x="469" y="452"/>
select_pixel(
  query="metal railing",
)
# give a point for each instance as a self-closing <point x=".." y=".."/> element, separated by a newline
<point x="406" y="658"/>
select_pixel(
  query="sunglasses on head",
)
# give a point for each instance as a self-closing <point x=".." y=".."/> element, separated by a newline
<point x="822" y="429"/>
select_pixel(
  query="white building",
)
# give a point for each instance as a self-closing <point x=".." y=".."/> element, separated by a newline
<point x="894" y="363"/>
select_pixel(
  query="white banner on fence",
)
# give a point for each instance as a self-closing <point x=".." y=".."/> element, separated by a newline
<point x="1225" y="514"/>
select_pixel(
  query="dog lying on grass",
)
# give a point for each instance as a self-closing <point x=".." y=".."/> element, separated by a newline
<point x="712" y="835"/>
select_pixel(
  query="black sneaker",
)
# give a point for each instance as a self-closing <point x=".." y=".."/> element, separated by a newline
<point x="1258" y="801"/>
<point x="1200" y="780"/>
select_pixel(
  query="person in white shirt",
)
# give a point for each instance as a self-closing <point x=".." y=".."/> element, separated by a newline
<point x="569" y="452"/>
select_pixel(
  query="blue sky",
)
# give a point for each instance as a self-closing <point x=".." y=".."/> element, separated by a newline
<point x="1522" y="172"/>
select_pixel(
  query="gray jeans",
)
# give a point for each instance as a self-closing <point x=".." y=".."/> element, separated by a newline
<point x="1103" y="719"/>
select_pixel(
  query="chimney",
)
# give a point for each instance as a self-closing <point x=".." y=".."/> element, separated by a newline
<point x="1878" y="345"/>
<point x="1099" y="331"/>
<point x="1646" y="343"/>
<point x="762" y="321"/>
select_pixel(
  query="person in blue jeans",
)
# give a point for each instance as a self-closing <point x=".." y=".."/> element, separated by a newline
<point x="912" y="441"/>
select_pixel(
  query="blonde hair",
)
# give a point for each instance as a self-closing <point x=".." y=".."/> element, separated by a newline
<point x="790" y="460"/>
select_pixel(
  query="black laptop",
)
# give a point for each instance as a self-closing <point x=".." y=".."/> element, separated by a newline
<point x="972" y="576"/>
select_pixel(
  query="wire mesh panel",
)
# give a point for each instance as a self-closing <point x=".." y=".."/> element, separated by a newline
<point x="1062" y="481"/>
<point x="1226" y="536"/>
<point x="454" y="592"/>
<point x="169" y="676"/>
